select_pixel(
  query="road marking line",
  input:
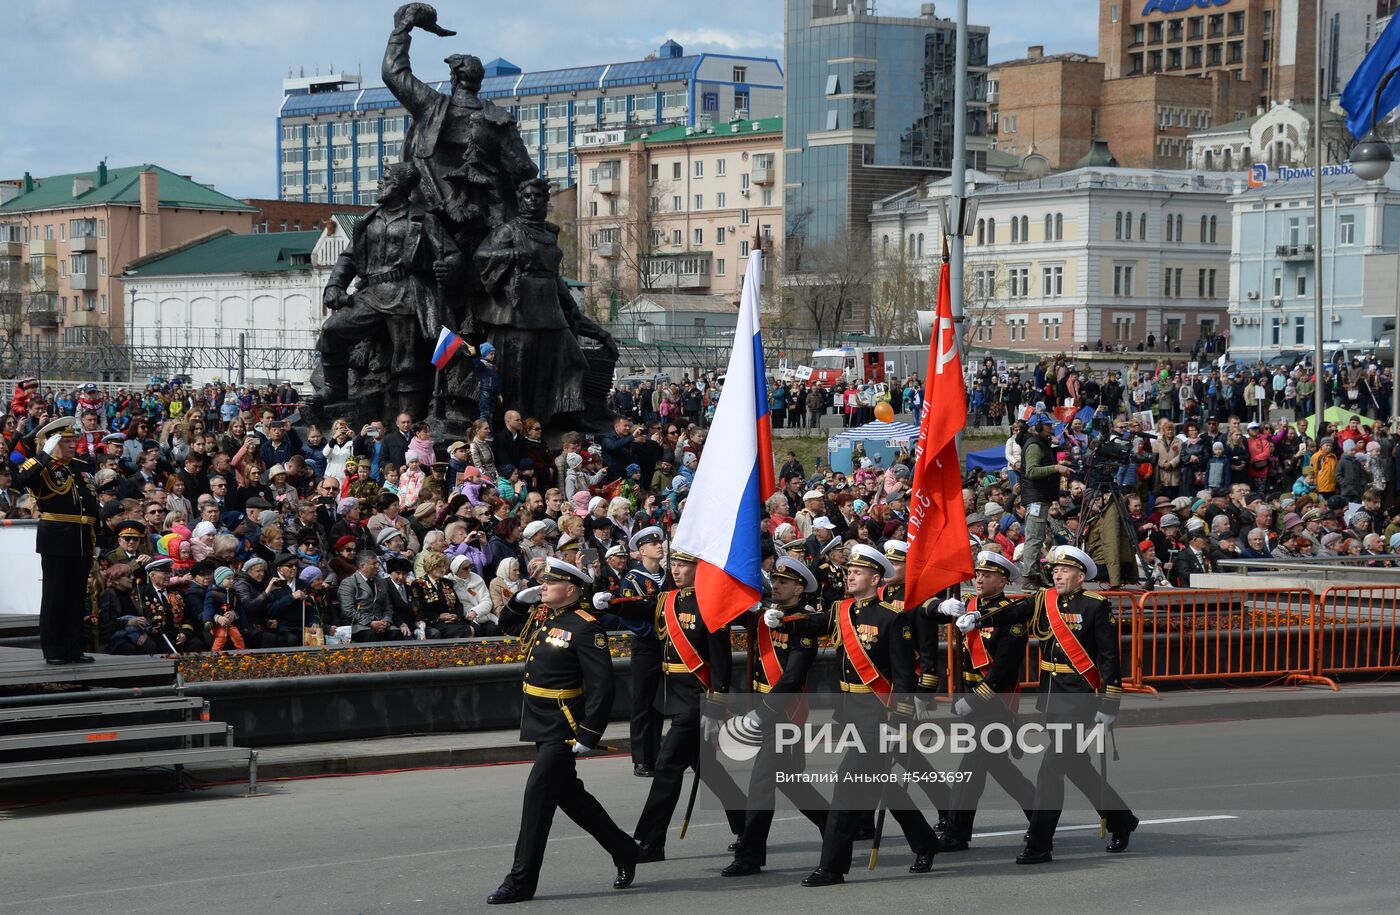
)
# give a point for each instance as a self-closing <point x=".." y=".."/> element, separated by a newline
<point x="1021" y="832"/>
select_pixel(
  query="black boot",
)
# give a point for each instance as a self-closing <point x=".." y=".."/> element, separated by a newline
<point x="649" y="854"/>
<point x="820" y="877"/>
<point x="507" y="893"/>
<point x="1119" y="843"/>
<point x="738" y="868"/>
<point x="923" y="863"/>
<point x="1033" y="857"/>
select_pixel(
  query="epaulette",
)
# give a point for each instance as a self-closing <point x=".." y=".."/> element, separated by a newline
<point x="1095" y="595"/>
<point x="586" y="616"/>
<point x="28" y="463"/>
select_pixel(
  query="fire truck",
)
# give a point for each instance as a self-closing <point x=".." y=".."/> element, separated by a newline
<point x="861" y="364"/>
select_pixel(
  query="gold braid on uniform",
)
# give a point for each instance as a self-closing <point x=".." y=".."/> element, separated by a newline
<point x="1040" y="623"/>
<point x="58" y="489"/>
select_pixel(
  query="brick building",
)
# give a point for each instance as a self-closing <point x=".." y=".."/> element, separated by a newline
<point x="295" y="216"/>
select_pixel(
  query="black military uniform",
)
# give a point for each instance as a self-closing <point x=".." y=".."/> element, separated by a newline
<point x="1069" y="696"/>
<point x="831" y="577"/>
<point x="66" y="543"/>
<point x="688" y="695"/>
<point x="782" y="659"/>
<point x="646" y="661"/>
<point x="886" y="638"/>
<point x="568" y="690"/>
<point x="990" y="673"/>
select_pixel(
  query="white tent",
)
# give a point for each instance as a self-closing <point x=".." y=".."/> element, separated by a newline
<point x="881" y="442"/>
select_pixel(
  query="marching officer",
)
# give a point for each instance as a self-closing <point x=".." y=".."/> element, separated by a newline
<point x="1079" y="684"/>
<point x="786" y="633"/>
<point x="646" y="578"/>
<point x="991" y="672"/>
<point x="698" y="664"/>
<point x="830" y="571"/>
<point x="61" y="484"/>
<point x="568" y="690"/>
<point x="876" y="662"/>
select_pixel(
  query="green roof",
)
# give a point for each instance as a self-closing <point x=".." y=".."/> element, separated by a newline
<point x="227" y="252"/>
<point x="123" y="188"/>
<point x="718" y="131"/>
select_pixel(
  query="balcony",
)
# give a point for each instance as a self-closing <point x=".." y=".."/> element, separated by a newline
<point x="43" y="313"/>
<point x="608" y="249"/>
<point x="1294" y="253"/>
<point x="677" y="272"/>
<point x="12" y="249"/>
<point x="43" y="280"/>
<point x="84" y="318"/>
<point x="762" y="174"/>
<point x="42" y="247"/>
<point x="85" y="281"/>
<point x="83" y="244"/>
<point x="609" y="186"/>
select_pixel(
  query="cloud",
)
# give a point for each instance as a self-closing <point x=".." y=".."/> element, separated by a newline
<point x="757" y="43"/>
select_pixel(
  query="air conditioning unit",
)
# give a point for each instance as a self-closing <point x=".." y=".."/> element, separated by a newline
<point x="1276" y="301"/>
<point x="744" y="192"/>
<point x="1236" y="320"/>
<point x="1253" y="296"/>
<point x="1336" y="318"/>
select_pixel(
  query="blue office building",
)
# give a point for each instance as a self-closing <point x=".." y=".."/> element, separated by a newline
<point x="334" y="135"/>
<point x="869" y="110"/>
<point x="1271" y="264"/>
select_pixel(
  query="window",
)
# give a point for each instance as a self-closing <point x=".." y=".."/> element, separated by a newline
<point x="991" y="231"/>
<point x="1018" y="282"/>
<point x="719" y="235"/>
<point x="1122" y="329"/>
<point x="1142" y="227"/>
<point x="1016" y="328"/>
<point x="981" y="231"/>
<point x="675" y="171"/>
<point x="741" y="100"/>
<point x="1050" y="328"/>
<point x="1201" y="283"/>
<point x="720" y="200"/>
<point x="1118" y="227"/>
<point x="984" y="282"/>
<point x="1025" y="228"/>
<point x="592" y="208"/>
<point x="1302" y="284"/>
<point x="743" y="249"/>
<point x="833" y="121"/>
<point x="675" y="236"/>
<point x="1205" y="228"/>
<point x="884" y="246"/>
<point x="719" y="166"/>
<point x="743" y="181"/>
<point x="1168" y="228"/>
<point x="741" y="74"/>
<point x="743" y="217"/>
<point x="698" y="237"/>
<point x="1210" y="283"/>
<point x="653" y="172"/>
<point x="104" y="304"/>
<point x="102" y="266"/>
<point x="719" y="266"/>
<point x="699" y="168"/>
<point x="1346" y="230"/>
<point x="1015" y="230"/>
<point x="1299" y="323"/>
<point x="921" y="244"/>
<point x="1278" y="285"/>
<point x="1274" y="331"/>
<point x="699" y="201"/>
<point x="1212" y="230"/>
<point x="1128" y="226"/>
<point x="1122" y="280"/>
<point x="833" y="84"/>
<point x="1052" y="282"/>
<point x="766" y="197"/>
<point x="676" y="205"/>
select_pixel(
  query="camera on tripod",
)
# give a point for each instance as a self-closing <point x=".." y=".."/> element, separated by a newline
<point x="1110" y="453"/>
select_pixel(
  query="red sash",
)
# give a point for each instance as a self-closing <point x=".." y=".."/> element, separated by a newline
<point x="975" y="649"/>
<point x="1075" y="651"/>
<point x="689" y="656"/>
<point x="768" y="655"/>
<point x="865" y="668"/>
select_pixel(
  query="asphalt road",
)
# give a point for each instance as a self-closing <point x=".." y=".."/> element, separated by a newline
<point x="440" y="840"/>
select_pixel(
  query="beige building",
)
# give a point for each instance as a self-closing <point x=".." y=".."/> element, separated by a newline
<point x="676" y="210"/>
<point x="76" y="233"/>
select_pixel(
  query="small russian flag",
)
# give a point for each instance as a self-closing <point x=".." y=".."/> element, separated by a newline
<point x="448" y="344"/>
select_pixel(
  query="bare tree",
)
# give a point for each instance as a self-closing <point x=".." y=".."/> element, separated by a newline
<point x="902" y="288"/>
<point x="634" y="238"/>
<point x="14" y="286"/>
<point x="831" y="286"/>
<point x="982" y="287"/>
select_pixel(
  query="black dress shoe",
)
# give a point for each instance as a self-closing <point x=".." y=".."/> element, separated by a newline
<point x="820" y="877"/>
<point x="82" y="659"/>
<point x="641" y="770"/>
<point x="57" y="661"/>
<point x="951" y="844"/>
<point x="626" y="873"/>
<point x="647" y="854"/>
<point x="507" y="893"/>
<point x="738" y="869"/>
<point x="923" y="863"/>
<point x="1033" y="857"/>
<point x="733" y="846"/>
<point x="1119" y="843"/>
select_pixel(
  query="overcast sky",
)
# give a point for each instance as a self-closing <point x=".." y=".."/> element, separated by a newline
<point x="194" y="85"/>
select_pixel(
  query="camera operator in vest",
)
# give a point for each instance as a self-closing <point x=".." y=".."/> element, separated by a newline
<point x="1040" y="486"/>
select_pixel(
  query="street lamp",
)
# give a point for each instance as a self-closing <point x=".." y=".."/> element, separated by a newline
<point x="1371" y="159"/>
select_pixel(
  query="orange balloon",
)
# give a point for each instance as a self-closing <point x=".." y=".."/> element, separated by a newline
<point x="884" y="412"/>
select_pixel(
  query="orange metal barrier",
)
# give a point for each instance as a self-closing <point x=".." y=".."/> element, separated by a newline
<point x="1235" y="634"/>
<point x="1357" y="630"/>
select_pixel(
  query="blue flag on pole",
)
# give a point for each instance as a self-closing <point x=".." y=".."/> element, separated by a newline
<point x="1360" y="93"/>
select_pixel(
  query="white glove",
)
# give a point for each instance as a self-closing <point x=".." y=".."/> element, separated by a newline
<point x="968" y="621"/>
<point x="51" y="445"/>
<point x="1104" y="718"/>
<point x="530" y="595"/>
<point x="962" y="708"/>
<point x="952" y="607"/>
<point x="601" y="600"/>
<point x="580" y="749"/>
<point x="921" y="709"/>
<point x="773" y="618"/>
<point x="709" y="727"/>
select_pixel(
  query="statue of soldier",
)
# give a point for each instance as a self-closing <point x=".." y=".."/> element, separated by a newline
<point x="532" y="319"/>
<point x="402" y="257"/>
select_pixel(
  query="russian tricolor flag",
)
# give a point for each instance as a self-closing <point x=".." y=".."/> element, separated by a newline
<point x="720" y="526"/>
<point x="447" y="345"/>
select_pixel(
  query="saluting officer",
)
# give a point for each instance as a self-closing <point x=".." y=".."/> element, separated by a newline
<point x="698" y="664"/>
<point x="991" y="674"/>
<point x="61" y="484"/>
<point x="646" y="578"/>
<point x="568" y="690"/>
<point x="875" y="659"/>
<point x="1079" y="684"/>
<point x="786" y="633"/>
